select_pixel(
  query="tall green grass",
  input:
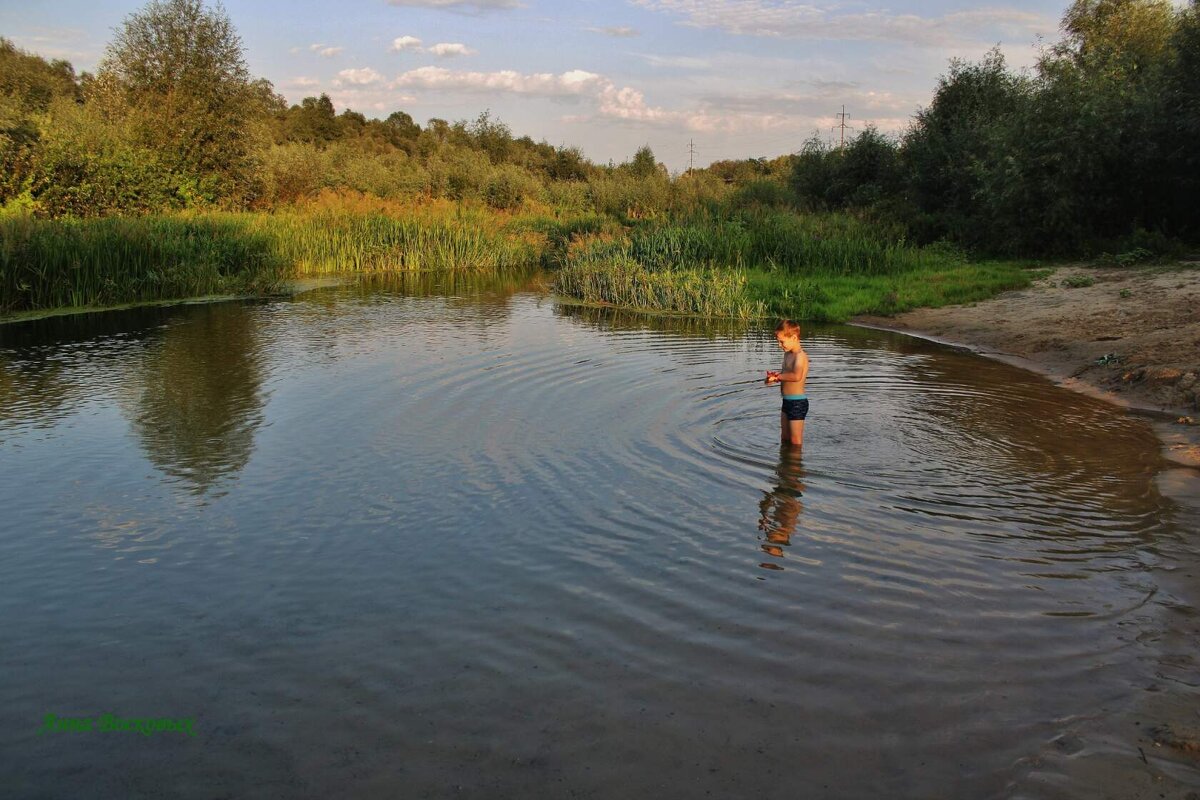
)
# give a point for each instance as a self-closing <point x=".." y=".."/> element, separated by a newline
<point x="771" y="239"/>
<point x="816" y="267"/>
<point x="628" y="284"/>
<point x="112" y="260"/>
<point x="348" y="242"/>
<point x="732" y="265"/>
<point x="827" y="297"/>
<point x="614" y="318"/>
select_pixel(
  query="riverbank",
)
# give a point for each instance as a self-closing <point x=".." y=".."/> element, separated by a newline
<point x="1129" y="335"/>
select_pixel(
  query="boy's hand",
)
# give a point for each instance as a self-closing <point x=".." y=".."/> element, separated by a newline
<point x="772" y="375"/>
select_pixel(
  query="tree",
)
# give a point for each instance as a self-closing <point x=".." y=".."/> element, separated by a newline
<point x="644" y="165"/>
<point x="28" y="86"/>
<point x="401" y="128"/>
<point x="178" y="69"/>
<point x="947" y="148"/>
<point x="1183" y="125"/>
<point x="813" y="172"/>
<point x="868" y="171"/>
<point x="491" y="136"/>
<point x="568" y="164"/>
<point x="1119" y="37"/>
<point x="32" y="81"/>
<point x="313" y="121"/>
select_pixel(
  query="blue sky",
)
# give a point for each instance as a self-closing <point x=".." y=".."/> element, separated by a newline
<point x="741" y="78"/>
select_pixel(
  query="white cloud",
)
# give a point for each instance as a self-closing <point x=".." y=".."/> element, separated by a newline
<point x="451" y="49"/>
<point x="545" y="84"/>
<point x="619" y="31"/>
<point x="609" y="101"/>
<point x="797" y="19"/>
<point x="401" y="43"/>
<point x="360" y="77"/>
<point x="325" y="51"/>
<point x="302" y="82"/>
<point x="459" y="5"/>
<point x="369" y="99"/>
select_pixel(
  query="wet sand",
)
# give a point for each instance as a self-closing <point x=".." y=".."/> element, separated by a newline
<point x="1130" y="336"/>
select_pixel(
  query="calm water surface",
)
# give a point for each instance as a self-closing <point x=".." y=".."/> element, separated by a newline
<point x="406" y="539"/>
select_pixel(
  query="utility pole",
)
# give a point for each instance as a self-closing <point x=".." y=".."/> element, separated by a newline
<point x="843" y="126"/>
<point x="691" y="154"/>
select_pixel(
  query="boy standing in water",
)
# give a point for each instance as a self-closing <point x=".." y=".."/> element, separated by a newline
<point x="791" y="383"/>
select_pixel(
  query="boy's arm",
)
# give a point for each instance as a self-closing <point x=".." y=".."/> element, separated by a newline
<point x="799" y="369"/>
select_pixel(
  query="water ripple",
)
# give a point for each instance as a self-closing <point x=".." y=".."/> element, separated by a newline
<point x="581" y="527"/>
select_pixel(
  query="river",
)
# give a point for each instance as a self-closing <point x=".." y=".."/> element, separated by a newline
<point x="434" y="537"/>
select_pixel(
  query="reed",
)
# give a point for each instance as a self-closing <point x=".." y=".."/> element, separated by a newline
<point x="614" y="318"/>
<point x="766" y="239"/>
<point x="112" y="260"/>
<point x="739" y="265"/>
<point x="626" y="283"/>
<point x="838" y="244"/>
<point x="815" y="267"/>
<point x="344" y="242"/>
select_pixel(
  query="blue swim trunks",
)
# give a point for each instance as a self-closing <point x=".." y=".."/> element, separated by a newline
<point x="795" y="406"/>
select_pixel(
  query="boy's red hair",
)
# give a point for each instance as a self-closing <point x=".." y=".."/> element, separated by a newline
<point x="788" y="326"/>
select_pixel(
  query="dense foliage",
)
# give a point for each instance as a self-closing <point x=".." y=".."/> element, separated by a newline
<point x="136" y="183"/>
<point x="1094" y="150"/>
<point x="1097" y="149"/>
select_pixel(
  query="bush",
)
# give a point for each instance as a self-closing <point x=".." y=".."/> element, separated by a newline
<point x="88" y="166"/>
<point x="762" y="192"/>
<point x="509" y="186"/>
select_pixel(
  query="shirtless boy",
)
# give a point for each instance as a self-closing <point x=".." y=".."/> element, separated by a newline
<point x="791" y="383"/>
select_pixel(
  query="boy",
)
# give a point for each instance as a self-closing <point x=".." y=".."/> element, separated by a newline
<point x="791" y="383"/>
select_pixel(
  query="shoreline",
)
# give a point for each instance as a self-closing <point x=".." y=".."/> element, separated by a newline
<point x="290" y="288"/>
<point x="1146" y="745"/>
<point x="1180" y="443"/>
<point x="1127" y="336"/>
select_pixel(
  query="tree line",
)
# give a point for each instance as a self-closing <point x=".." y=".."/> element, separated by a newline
<point x="1093" y="149"/>
<point x="1099" y="147"/>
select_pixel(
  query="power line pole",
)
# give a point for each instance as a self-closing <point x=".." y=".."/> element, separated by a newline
<point x="691" y="154"/>
<point x="843" y="126"/>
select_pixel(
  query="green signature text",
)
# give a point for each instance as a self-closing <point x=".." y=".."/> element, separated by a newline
<point x="147" y="726"/>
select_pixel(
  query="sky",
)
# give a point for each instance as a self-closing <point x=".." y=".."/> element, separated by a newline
<point x="730" y="78"/>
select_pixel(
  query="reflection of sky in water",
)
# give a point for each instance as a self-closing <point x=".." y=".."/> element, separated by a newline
<point x="362" y="512"/>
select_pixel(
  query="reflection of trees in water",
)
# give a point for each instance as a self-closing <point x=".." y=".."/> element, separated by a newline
<point x="780" y="509"/>
<point x="622" y="319"/>
<point x="39" y="392"/>
<point x="194" y="398"/>
<point x="47" y="364"/>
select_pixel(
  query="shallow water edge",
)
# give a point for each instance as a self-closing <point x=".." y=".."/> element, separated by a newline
<point x="1151" y="747"/>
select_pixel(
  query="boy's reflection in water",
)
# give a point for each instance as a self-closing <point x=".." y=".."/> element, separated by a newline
<point x="780" y="508"/>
